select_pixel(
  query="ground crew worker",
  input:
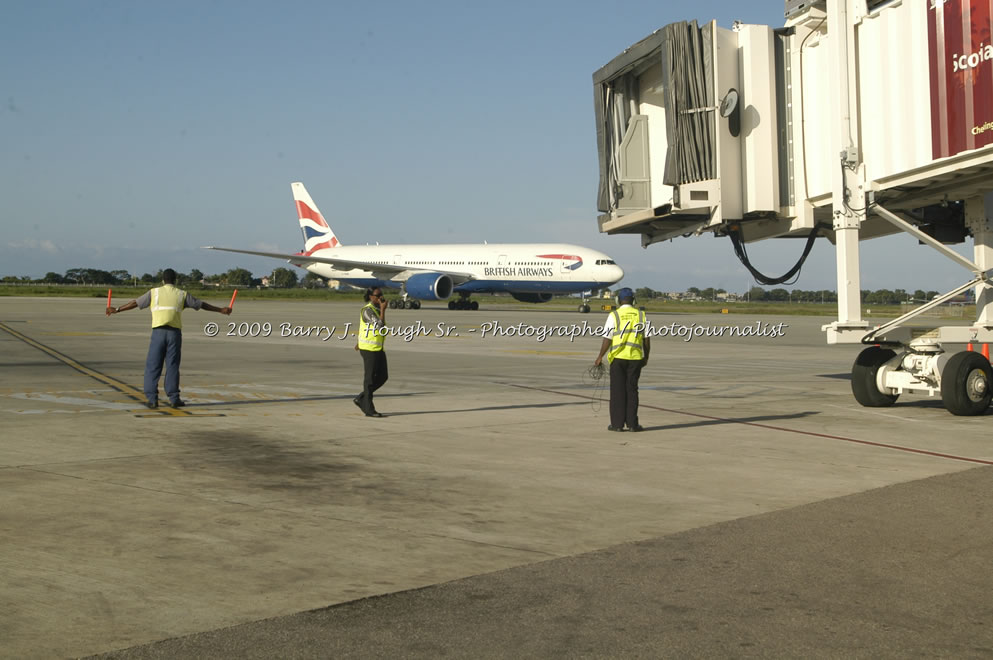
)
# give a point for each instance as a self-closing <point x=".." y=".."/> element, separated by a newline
<point x="166" y="347"/>
<point x="624" y="338"/>
<point x="371" y="337"/>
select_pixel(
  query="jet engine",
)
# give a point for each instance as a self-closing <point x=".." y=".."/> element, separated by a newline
<point x="429" y="286"/>
<point x="532" y="297"/>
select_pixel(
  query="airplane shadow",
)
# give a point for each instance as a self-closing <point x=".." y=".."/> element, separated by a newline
<point x="730" y="420"/>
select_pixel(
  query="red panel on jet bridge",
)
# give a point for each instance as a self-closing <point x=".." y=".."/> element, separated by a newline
<point x="961" y="55"/>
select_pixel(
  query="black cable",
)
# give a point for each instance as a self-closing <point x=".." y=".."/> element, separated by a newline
<point x="594" y="378"/>
<point x="734" y="232"/>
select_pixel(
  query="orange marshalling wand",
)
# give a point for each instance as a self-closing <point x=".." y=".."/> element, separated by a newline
<point x="108" y="298"/>
<point x="233" y="296"/>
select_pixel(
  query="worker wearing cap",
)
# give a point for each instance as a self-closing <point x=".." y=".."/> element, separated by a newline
<point x="626" y="347"/>
<point x="166" y="347"/>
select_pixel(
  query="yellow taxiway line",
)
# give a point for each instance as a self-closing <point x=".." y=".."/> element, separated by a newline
<point x="128" y="390"/>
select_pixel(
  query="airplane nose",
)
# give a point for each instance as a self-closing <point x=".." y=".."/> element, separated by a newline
<point x="609" y="274"/>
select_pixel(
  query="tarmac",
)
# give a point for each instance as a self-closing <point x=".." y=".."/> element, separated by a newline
<point x="761" y="514"/>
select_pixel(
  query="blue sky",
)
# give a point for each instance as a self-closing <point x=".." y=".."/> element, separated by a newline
<point x="131" y="134"/>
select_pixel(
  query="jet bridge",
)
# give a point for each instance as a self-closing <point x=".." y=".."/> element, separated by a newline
<point x="857" y="119"/>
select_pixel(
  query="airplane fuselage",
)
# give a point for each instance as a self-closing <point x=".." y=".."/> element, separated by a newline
<point x="554" y="268"/>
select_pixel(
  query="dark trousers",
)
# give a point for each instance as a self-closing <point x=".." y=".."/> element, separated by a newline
<point x="166" y="347"/>
<point x="624" y="375"/>
<point x="376" y="373"/>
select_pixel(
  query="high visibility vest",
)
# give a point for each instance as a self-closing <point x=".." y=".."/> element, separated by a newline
<point x="369" y="339"/>
<point x="629" y="335"/>
<point x="167" y="306"/>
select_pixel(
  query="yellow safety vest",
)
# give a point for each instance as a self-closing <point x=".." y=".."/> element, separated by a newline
<point x="167" y="306"/>
<point x="627" y="340"/>
<point x="369" y="339"/>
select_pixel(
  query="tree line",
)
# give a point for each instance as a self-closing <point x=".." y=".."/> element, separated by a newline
<point x="282" y="278"/>
<point x="758" y="294"/>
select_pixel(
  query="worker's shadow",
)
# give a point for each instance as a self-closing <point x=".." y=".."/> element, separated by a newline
<point x="757" y="420"/>
<point x="295" y="399"/>
<point x="514" y="407"/>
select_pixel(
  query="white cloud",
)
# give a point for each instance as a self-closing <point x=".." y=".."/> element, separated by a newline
<point x="45" y="245"/>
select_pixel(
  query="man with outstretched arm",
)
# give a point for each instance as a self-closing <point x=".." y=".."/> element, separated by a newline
<point x="166" y="347"/>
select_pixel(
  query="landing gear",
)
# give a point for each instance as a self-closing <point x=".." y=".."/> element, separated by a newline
<point x="964" y="380"/>
<point x="463" y="303"/>
<point x="864" y="372"/>
<point x="584" y="305"/>
<point x="405" y="303"/>
<point x="965" y="384"/>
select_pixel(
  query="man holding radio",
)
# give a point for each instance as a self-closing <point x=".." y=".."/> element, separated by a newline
<point x="627" y="348"/>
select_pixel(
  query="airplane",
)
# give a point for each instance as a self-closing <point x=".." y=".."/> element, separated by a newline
<point x="530" y="272"/>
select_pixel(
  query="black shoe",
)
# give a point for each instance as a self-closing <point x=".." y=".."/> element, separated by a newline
<point x="178" y="403"/>
<point x="152" y="404"/>
<point x="357" y="401"/>
<point x="636" y="428"/>
<point x="614" y="428"/>
<point x="373" y="413"/>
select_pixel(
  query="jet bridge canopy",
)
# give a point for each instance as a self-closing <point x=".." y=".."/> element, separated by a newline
<point x="702" y="126"/>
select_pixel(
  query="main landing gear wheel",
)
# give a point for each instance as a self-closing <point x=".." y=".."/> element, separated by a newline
<point x="864" y="377"/>
<point x="965" y="384"/>
<point x="584" y="309"/>
<point x="463" y="303"/>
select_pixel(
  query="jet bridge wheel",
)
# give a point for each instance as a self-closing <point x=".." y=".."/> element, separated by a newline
<point x="864" y="377"/>
<point x="965" y="384"/>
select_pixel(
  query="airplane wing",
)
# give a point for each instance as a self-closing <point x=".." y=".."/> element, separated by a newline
<point x="348" y="264"/>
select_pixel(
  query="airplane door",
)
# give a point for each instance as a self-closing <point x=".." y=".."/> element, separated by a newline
<point x="502" y="260"/>
<point x="397" y="260"/>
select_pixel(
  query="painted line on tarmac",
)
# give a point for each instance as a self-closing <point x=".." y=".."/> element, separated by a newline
<point x="870" y="443"/>
<point x="122" y="387"/>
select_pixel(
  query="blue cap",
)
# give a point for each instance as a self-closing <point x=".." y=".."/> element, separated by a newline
<point x="625" y="294"/>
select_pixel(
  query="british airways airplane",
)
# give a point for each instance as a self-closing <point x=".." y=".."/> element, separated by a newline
<point x="530" y="272"/>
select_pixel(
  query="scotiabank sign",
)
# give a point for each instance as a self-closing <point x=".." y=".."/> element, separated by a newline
<point x="961" y="56"/>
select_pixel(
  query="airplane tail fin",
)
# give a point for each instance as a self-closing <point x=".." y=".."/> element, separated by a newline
<point x="317" y="234"/>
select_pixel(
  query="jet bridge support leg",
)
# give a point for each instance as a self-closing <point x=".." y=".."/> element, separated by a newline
<point x="847" y="178"/>
<point x="977" y="220"/>
<point x="846" y="231"/>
